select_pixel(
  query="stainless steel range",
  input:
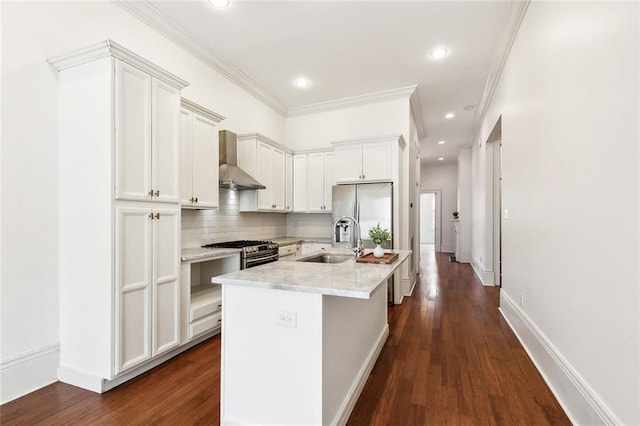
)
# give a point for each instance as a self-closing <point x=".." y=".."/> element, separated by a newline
<point x="254" y="252"/>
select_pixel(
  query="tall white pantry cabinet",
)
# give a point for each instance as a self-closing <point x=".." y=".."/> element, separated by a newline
<point x="119" y="214"/>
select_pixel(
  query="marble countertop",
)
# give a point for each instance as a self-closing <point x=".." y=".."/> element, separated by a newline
<point x="346" y="279"/>
<point x="199" y="254"/>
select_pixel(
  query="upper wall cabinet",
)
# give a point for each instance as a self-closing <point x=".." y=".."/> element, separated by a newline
<point x="199" y="156"/>
<point x="364" y="161"/>
<point x="147" y="136"/>
<point x="313" y="179"/>
<point x="263" y="159"/>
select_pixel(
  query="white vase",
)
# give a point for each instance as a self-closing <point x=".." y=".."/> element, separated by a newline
<point x="378" y="251"/>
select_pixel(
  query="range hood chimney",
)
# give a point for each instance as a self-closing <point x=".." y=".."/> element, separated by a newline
<point x="232" y="176"/>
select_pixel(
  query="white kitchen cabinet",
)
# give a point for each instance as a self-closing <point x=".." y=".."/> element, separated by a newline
<point x="199" y="156"/>
<point x="119" y="248"/>
<point x="368" y="161"/>
<point x="288" y="182"/>
<point x="263" y="159"/>
<point x="147" y="136"/>
<point x="310" y="247"/>
<point x="147" y="304"/>
<point x="289" y="251"/>
<point x="314" y="178"/>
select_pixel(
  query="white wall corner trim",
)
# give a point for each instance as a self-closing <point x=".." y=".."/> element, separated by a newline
<point x="510" y="26"/>
<point x="416" y="110"/>
<point x="579" y="401"/>
<point x="151" y="16"/>
<point x="368" y="98"/>
<point x="27" y="372"/>
<point x="356" y="388"/>
<point x="486" y="275"/>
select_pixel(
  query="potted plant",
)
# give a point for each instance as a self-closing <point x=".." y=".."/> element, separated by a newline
<point x="378" y="236"/>
<point x="455" y="215"/>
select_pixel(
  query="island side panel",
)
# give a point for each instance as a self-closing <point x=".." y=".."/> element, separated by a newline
<point x="270" y="374"/>
<point x="354" y="332"/>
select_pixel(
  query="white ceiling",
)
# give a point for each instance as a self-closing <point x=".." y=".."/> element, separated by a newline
<point x="359" y="47"/>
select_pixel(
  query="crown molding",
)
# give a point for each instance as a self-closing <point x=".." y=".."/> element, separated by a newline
<point x="390" y="138"/>
<point x="262" y="138"/>
<point x="510" y="27"/>
<point x="416" y="110"/>
<point x="199" y="109"/>
<point x="145" y="12"/>
<point x="108" y="48"/>
<point x="403" y="92"/>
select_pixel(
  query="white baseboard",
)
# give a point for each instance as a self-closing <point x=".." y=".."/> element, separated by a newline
<point x="99" y="384"/>
<point x="486" y="276"/>
<point x="464" y="257"/>
<point x="581" y="404"/>
<point x="28" y="372"/>
<point x="448" y="248"/>
<point x="408" y="286"/>
<point x="361" y="379"/>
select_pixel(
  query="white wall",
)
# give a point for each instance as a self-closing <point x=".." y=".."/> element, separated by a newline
<point x="427" y="230"/>
<point x="31" y="33"/>
<point x="443" y="177"/>
<point x="463" y="251"/>
<point x="568" y="98"/>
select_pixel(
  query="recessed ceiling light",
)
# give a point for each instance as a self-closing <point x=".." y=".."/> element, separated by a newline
<point x="302" y="82"/>
<point x="438" y="53"/>
<point x="441" y="158"/>
<point x="449" y="115"/>
<point x="441" y="143"/>
<point x="219" y="3"/>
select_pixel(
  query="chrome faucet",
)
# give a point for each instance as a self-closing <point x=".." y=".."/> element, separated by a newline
<point x="358" y="250"/>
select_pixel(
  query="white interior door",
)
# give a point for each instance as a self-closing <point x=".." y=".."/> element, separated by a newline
<point x="428" y="218"/>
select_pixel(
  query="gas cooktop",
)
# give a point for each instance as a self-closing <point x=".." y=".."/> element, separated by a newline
<point x="239" y="244"/>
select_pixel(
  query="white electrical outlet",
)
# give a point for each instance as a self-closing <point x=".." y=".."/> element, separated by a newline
<point x="287" y="319"/>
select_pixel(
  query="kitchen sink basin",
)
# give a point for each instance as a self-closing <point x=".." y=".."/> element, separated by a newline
<point x="328" y="258"/>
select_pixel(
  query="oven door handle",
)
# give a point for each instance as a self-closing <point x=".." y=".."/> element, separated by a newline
<point x="254" y="261"/>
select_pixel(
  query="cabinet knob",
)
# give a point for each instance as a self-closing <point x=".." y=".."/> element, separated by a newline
<point x="157" y="215"/>
<point x="150" y="192"/>
<point x="156" y="193"/>
<point x="196" y="199"/>
<point x="193" y="200"/>
<point x="150" y="215"/>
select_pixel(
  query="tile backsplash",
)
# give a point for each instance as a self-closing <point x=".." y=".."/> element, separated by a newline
<point x="227" y="223"/>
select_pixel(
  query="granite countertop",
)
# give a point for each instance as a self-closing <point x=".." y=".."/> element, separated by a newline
<point x="346" y="279"/>
<point x="203" y="253"/>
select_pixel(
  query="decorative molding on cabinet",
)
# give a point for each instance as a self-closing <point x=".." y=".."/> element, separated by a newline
<point x="263" y="138"/>
<point x="385" y="95"/>
<point x="510" y="27"/>
<point x="581" y="404"/>
<point x="391" y="138"/>
<point x="200" y="110"/>
<point x="145" y="12"/>
<point x="108" y="48"/>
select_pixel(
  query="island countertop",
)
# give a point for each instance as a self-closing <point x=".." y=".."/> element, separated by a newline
<point x="346" y="279"/>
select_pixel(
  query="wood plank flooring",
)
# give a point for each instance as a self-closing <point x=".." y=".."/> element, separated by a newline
<point x="450" y="359"/>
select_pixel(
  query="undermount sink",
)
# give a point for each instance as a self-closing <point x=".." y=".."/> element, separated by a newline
<point x="328" y="258"/>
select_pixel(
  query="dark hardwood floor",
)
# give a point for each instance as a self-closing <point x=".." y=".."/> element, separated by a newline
<point x="450" y="359"/>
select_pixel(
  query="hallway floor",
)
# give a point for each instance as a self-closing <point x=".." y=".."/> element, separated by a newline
<point x="450" y="359"/>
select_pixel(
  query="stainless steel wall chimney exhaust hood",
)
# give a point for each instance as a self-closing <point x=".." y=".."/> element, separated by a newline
<point x="232" y="176"/>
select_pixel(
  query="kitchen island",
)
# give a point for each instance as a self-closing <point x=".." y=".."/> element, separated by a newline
<point x="299" y="339"/>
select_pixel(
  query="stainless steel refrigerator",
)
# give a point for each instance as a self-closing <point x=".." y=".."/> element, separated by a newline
<point x="370" y="204"/>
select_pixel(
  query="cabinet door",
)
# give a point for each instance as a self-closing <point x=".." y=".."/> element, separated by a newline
<point x="348" y="163"/>
<point x="264" y="176"/>
<point x="315" y="182"/>
<point x="300" y="183"/>
<point x="186" y="157"/>
<point x="165" y="142"/>
<point x="133" y="288"/>
<point x="329" y="179"/>
<point x="277" y="179"/>
<point x="205" y="162"/>
<point x="376" y="161"/>
<point x="166" y="285"/>
<point x="288" y="182"/>
<point x="132" y="132"/>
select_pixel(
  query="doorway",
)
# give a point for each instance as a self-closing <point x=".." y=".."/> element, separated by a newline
<point x="494" y="199"/>
<point x="430" y="218"/>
